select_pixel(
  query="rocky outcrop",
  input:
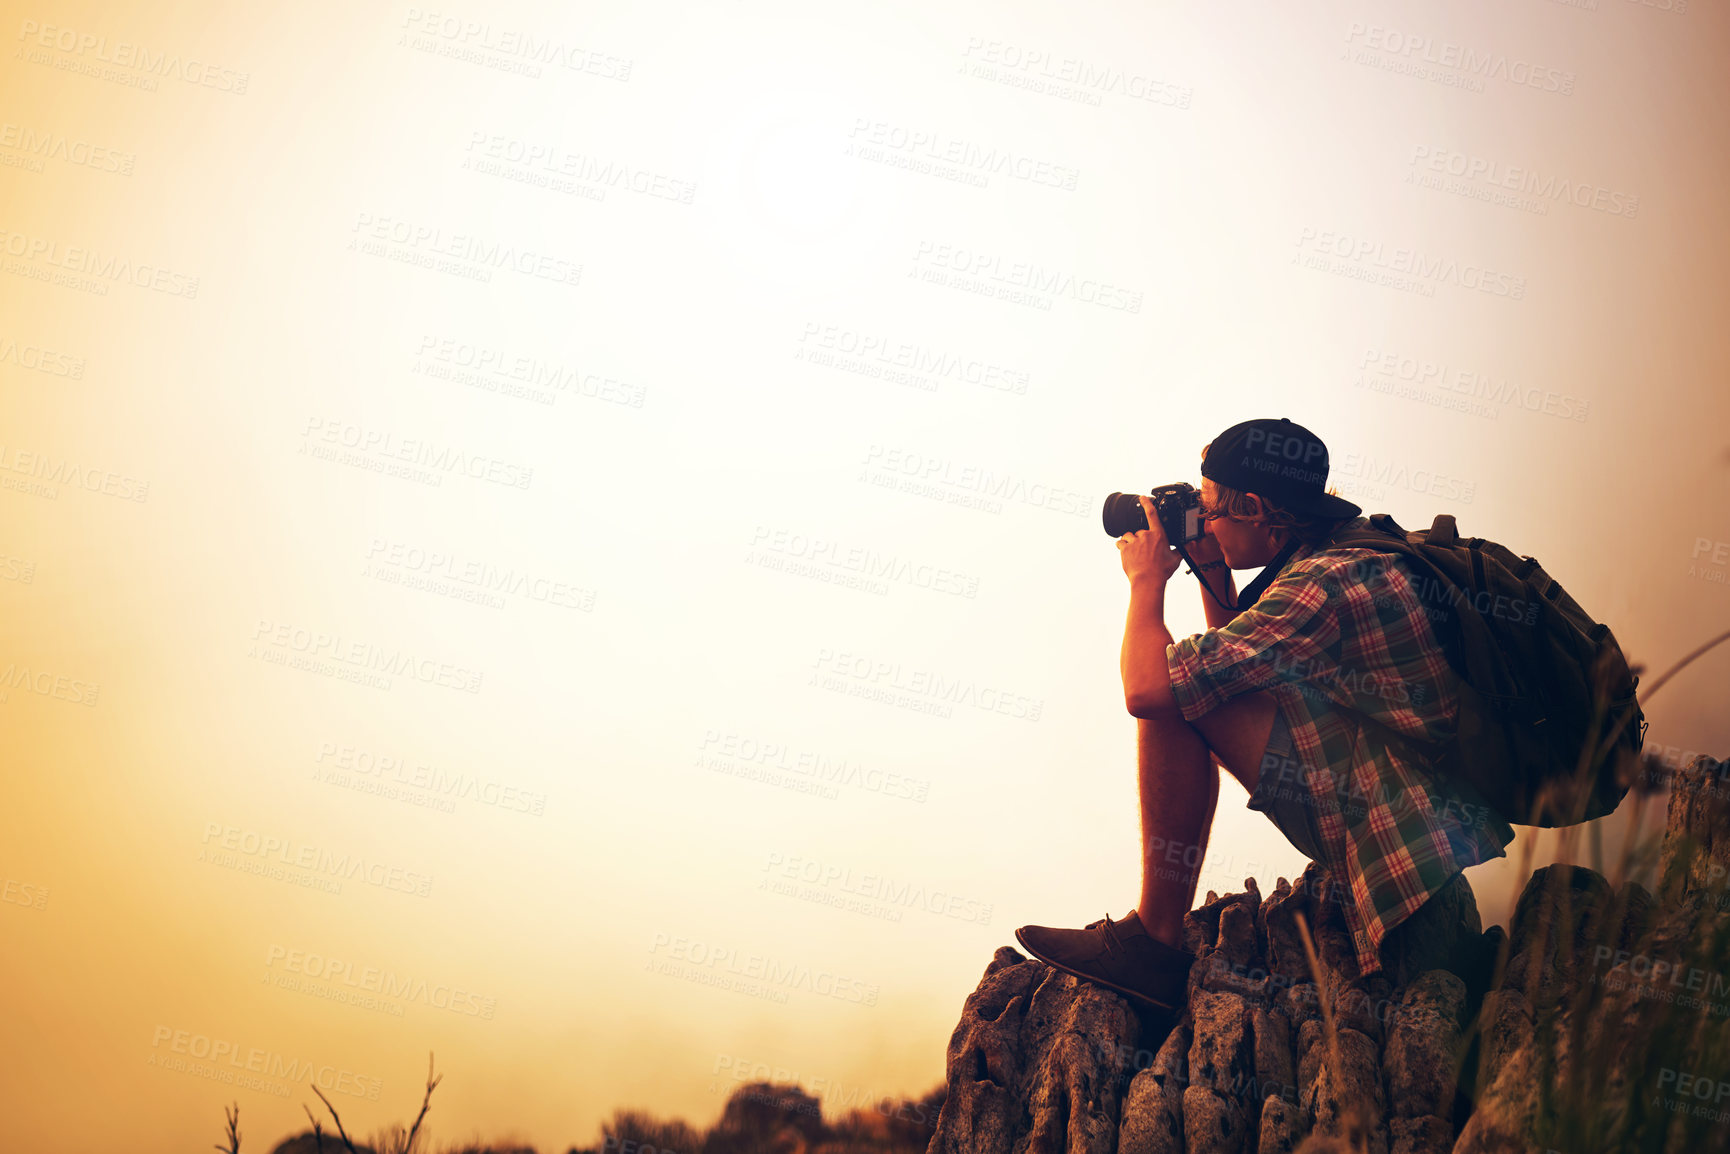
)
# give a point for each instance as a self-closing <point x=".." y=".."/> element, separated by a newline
<point x="1040" y="1055"/>
<point x="1551" y="1035"/>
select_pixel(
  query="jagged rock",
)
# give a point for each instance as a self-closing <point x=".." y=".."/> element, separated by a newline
<point x="1238" y="942"/>
<point x="1558" y="919"/>
<point x="1343" y="1098"/>
<point x="1423" y="1044"/>
<point x="1153" y="1109"/>
<point x="1213" y="1123"/>
<point x="1042" y="1063"/>
<point x="1420" y="1135"/>
<point x="1033" y="1065"/>
<point x="1501" y="1121"/>
<point x="1697" y="830"/>
<point x="1273" y="1053"/>
<point x="1285" y="951"/>
<point x="1300" y="1004"/>
<point x="1639" y="912"/>
<point x="1323" y="1144"/>
<point x="1364" y="1007"/>
<point x="1279" y="1126"/>
<point x="1445" y="934"/>
<point x="1221" y="1067"/>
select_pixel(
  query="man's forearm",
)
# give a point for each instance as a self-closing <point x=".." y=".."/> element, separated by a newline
<point x="1146" y="676"/>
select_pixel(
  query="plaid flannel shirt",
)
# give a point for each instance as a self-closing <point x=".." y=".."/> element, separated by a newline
<point x="1342" y="642"/>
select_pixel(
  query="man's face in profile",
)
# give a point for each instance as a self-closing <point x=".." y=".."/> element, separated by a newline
<point x="1242" y="543"/>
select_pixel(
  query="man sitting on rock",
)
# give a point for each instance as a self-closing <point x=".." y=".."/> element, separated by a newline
<point x="1318" y="696"/>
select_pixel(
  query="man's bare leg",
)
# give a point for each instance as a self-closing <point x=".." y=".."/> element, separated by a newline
<point x="1179" y="788"/>
<point x="1178" y="781"/>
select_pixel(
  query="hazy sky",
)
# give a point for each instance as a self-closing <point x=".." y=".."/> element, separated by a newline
<point x="568" y="538"/>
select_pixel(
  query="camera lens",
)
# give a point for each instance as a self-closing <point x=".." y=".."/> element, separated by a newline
<point x="1123" y="514"/>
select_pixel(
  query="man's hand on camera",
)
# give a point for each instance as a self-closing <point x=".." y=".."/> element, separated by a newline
<point x="1205" y="551"/>
<point x="1146" y="554"/>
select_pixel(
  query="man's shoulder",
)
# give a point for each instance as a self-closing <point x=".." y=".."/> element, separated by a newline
<point x="1348" y="564"/>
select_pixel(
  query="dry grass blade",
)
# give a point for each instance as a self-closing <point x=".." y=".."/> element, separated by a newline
<point x="1357" y="1126"/>
<point x="337" y="1118"/>
<point x="232" y="1115"/>
<point x="425" y="1105"/>
<point x="1327" y="1003"/>
<point x="1680" y="665"/>
<point x="317" y="1128"/>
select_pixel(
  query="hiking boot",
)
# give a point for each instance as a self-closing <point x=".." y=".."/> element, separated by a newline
<point x="1119" y="955"/>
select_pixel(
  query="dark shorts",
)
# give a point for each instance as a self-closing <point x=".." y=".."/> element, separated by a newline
<point x="1281" y="794"/>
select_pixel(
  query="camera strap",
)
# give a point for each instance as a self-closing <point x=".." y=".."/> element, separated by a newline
<point x="1196" y="569"/>
<point x="1266" y="577"/>
<point x="1250" y="595"/>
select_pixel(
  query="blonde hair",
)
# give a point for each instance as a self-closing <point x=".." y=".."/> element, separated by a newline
<point x="1308" y="529"/>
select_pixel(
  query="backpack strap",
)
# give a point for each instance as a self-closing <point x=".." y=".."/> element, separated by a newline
<point x="1465" y="636"/>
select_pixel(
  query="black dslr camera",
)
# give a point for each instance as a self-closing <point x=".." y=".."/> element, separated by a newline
<point x="1177" y="506"/>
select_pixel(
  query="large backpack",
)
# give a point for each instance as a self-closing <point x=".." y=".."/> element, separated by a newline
<point x="1549" y="725"/>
